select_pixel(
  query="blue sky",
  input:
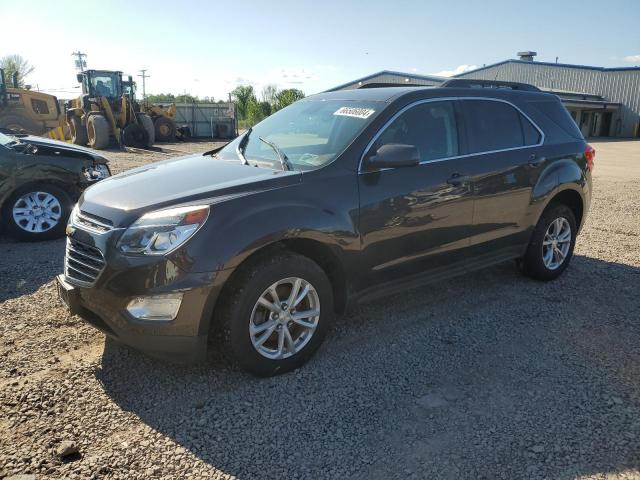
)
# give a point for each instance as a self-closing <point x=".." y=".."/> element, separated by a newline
<point x="207" y="48"/>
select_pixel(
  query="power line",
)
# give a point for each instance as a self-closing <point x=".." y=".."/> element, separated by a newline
<point x="81" y="64"/>
<point x="143" y="74"/>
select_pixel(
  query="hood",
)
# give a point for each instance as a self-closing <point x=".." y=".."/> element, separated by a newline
<point x="62" y="146"/>
<point x="124" y="197"/>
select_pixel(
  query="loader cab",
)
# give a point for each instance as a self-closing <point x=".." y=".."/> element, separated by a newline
<point x="101" y="83"/>
<point x="129" y="88"/>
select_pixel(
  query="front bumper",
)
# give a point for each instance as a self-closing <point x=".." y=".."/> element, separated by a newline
<point x="182" y="340"/>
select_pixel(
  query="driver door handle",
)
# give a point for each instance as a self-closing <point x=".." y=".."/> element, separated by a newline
<point x="456" y="179"/>
<point x="535" y="161"/>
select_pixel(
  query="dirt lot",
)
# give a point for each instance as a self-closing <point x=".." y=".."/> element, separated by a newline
<point x="488" y="376"/>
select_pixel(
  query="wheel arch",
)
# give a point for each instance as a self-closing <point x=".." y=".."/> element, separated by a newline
<point x="564" y="182"/>
<point x="572" y="199"/>
<point x="323" y="255"/>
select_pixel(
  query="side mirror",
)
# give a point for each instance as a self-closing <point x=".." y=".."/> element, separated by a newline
<point x="79" y="77"/>
<point x="394" y="155"/>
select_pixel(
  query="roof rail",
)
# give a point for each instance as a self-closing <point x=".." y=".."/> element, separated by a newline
<point x="470" y="83"/>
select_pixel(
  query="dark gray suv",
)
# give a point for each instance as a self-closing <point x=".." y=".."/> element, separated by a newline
<point x="340" y="197"/>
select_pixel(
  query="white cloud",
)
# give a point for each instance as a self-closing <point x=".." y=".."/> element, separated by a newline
<point x="632" y="58"/>
<point x="459" y="69"/>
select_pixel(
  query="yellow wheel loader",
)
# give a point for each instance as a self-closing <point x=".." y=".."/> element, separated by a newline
<point x="163" y="116"/>
<point x="163" y="120"/>
<point x="25" y="111"/>
<point x="105" y="113"/>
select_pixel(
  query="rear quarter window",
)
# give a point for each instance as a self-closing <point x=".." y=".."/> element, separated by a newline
<point x="554" y="112"/>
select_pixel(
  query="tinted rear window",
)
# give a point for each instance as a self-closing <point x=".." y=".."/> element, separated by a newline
<point x="555" y="111"/>
<point x="495" y="125"/>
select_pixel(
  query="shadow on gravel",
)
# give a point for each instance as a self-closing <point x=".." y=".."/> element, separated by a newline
<point x="26" y="266"/>
<point x="488" y="376"/>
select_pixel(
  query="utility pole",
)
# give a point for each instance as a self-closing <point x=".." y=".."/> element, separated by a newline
<point x="143" y="74"/>
<point x="81" y="64"/>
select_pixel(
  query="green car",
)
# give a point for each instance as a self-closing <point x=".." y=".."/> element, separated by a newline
<point x="40" y="181"/>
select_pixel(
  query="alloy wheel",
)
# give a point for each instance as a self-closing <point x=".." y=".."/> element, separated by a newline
<point x="556" y="243"/>
<point x="284" y="318"/>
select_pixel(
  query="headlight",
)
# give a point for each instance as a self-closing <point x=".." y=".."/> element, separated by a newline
<point x="97" y="171"/>
<point x="162" y="231"/>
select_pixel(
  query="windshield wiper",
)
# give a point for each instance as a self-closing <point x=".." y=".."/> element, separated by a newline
<point x="284" y="161"/>
<point x="242" y="145"/>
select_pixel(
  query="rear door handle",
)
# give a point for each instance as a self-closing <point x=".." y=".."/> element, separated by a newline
<point x="535" y="161"/>
<point x="456" y="179"/>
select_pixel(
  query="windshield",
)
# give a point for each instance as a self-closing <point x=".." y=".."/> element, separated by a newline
<point x="129" y="88"/>
<point x="105" y="84"/>
<point x="310" y="133"/>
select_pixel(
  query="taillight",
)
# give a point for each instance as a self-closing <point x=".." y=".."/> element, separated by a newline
<point x="590" y="155"/>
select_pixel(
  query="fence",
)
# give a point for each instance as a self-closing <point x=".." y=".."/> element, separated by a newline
<point x="207" y="120"/>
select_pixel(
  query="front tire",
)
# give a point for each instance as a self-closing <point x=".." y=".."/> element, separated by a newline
<point x="98" y="131"/>
<point x="552" y="244"/>
<point x="38" y="212"/>
<point x="276" y="314"/>
<point x="147" y="124"/>
<point x="78" y="131"/>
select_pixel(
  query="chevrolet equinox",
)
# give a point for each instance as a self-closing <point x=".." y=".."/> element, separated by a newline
<point x="340" y="197"/>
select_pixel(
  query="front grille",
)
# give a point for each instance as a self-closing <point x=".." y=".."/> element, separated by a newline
<point x="92" y="223"/>
<point x="82" y="263"/>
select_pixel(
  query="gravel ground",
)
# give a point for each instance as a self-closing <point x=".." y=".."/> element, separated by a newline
<point x="488" y="376"/>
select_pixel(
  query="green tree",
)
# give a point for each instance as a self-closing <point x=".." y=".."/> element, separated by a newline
<point x="162" y="98"/>
<point x="243" y="94"/>
<point x="257" y="111"/>
<point x="270" y="94"/>
<point x="287" y="96"/>
<point x="265" y="107"/>
<point x="15" y="63"/>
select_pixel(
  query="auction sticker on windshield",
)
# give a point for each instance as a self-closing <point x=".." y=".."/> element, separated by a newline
<point x="354" y="112"/>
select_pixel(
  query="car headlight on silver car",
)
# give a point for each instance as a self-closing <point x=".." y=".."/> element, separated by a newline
<point x="162" y="231"/>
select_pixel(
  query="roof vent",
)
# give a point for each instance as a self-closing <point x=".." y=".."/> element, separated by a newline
<point x="527" y="56"/>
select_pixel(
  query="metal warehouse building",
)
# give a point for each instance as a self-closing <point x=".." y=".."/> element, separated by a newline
<point x="603" y="101"/>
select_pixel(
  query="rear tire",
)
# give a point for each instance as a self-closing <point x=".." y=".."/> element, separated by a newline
<point x="78" y="131"/>
<point x="147" y="124"/>
<point x="242" y="314"/>
<point x="98" y="132"/>
<point x="134" y="135"/>
<point x="551" y="246"/>
<point x="165" y="129"/>
<point x="53" y="207"/>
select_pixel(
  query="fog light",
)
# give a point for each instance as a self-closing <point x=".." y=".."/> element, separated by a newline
<point x="155" y="307"/>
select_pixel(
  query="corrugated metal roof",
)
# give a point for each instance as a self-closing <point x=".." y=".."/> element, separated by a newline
<point x="551" y="64"/>
<point x="411" y="76"/>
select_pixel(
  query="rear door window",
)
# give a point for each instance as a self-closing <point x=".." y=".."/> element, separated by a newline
<point x="430" y="126"/>
<point x="493" y="125"/>
<point x="531" y="133"/>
